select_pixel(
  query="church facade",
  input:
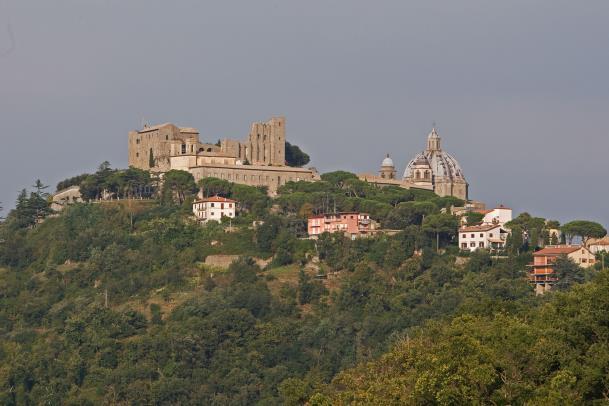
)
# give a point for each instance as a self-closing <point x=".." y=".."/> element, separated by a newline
<point x="432" y="169"/>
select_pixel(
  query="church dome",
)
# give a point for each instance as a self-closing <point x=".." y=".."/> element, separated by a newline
<point x="387" y="161"/>
<point x="442" y="164"/>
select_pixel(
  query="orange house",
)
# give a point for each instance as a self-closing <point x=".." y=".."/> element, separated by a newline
<point x="352" y="224"/>
<point x="541" y="272"/>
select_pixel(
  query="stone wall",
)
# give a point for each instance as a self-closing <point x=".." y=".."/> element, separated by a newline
<point x="255" y="175"/>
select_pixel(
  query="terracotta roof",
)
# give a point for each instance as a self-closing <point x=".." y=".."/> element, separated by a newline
<point x="485" y="227"/>
<point x="482" y="211"/>
<point x="557" y="250"/>
<point x="215" y="199"/>
<point x="341" y="213"/>
<point x="598" y="241"/>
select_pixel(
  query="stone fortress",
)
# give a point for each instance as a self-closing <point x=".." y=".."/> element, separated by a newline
<point x="257" y="161"/>
<point x="432" y="169"/>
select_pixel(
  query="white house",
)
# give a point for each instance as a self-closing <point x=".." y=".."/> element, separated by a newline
<point x="596" y="245"/>
<point x="486" y="236"/>
<point x="214" y="208"/>
<point x="499" y="215"/>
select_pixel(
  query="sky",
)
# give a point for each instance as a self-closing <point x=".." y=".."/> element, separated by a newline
<point x="519" y="90"/>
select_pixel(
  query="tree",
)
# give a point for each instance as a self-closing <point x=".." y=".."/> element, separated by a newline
<point x="338" y="178"/>
<point x="151" y="161"/>
<point x="214" y="186"/>
<point x="294" y="156"/>
<point x="474" y="218"/>
<point x="442" y="224"/>
<point x="178" y="186"/>
<point x="583" y="229"/>
<point x="40" y="187"/>
<point x="567" y="272"/>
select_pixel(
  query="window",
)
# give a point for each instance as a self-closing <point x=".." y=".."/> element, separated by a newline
<point x="490" y="235"/>
<point x="183" y="148"/>
<point x="167" y="138"/>
<point x="481" y="245"/>
<point x="584" y="260"/>
<point x="473" y="236"/>
<point x="212" y="205"/>
<point x="464" y="245"/>
<point x="137" y="141"/>
<point x="481" y="235"/>
<point x="464" y="235"/>
<point x="137" y="154"/>
<point x="472" y="244"/>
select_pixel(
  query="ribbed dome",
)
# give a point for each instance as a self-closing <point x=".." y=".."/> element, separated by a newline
<point x="442" y="164"/>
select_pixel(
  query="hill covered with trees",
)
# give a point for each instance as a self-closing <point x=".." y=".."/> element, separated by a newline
<point x="112" y="302"/>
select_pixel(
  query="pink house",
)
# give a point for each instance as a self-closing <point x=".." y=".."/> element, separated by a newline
<point x="352" y="224"/>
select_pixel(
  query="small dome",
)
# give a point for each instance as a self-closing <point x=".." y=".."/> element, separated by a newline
<point x="387" y="161"/>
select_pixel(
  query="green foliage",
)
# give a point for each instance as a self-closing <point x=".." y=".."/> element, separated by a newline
<point x="151" y="160"/>
<point x="294" y="155"/>
<point x="583" y="229"/>
<point x="443" y="226"/>
<point x="73" y="181"/>
<point x="541" y="355"/>
<point x="567" y="272"/>
<point x="474" y="218"/>
<point x="178" y="186"/>
<point x="173" y="331"/>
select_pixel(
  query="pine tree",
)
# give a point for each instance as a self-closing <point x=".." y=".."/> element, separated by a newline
<point x="151" y="159"/>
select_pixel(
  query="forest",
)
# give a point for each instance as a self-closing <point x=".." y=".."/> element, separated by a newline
<point x="111" y="302"/>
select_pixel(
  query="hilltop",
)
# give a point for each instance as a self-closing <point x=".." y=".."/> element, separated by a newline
<point x="112" y="302"/>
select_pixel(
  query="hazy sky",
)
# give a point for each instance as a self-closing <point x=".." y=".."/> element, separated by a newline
<point x="519" y="89"/>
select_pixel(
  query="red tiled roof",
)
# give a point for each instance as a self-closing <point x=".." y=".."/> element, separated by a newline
<point x="600" y="241"/>
<point x="487" y="227"/>
<point x="482" y="211"/>
<point x="557" y="250"/>
<point x="215" y="199"/>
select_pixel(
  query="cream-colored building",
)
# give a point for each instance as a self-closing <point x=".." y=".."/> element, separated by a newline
<point x="485" y="236"/>
<point x="596" y="245"/>
<point x="65" y="197"/>
<point x="387" y="177"/>
<point x="257" y="161"/>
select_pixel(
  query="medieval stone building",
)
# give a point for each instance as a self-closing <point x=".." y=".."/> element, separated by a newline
<point x="257" y="161"/>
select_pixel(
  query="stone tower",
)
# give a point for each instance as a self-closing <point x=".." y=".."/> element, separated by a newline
<point x="266" y="143"/>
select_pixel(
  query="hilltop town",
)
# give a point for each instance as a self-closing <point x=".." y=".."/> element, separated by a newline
<point x="261" y="161"/>
<point x="231" y="273"/>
